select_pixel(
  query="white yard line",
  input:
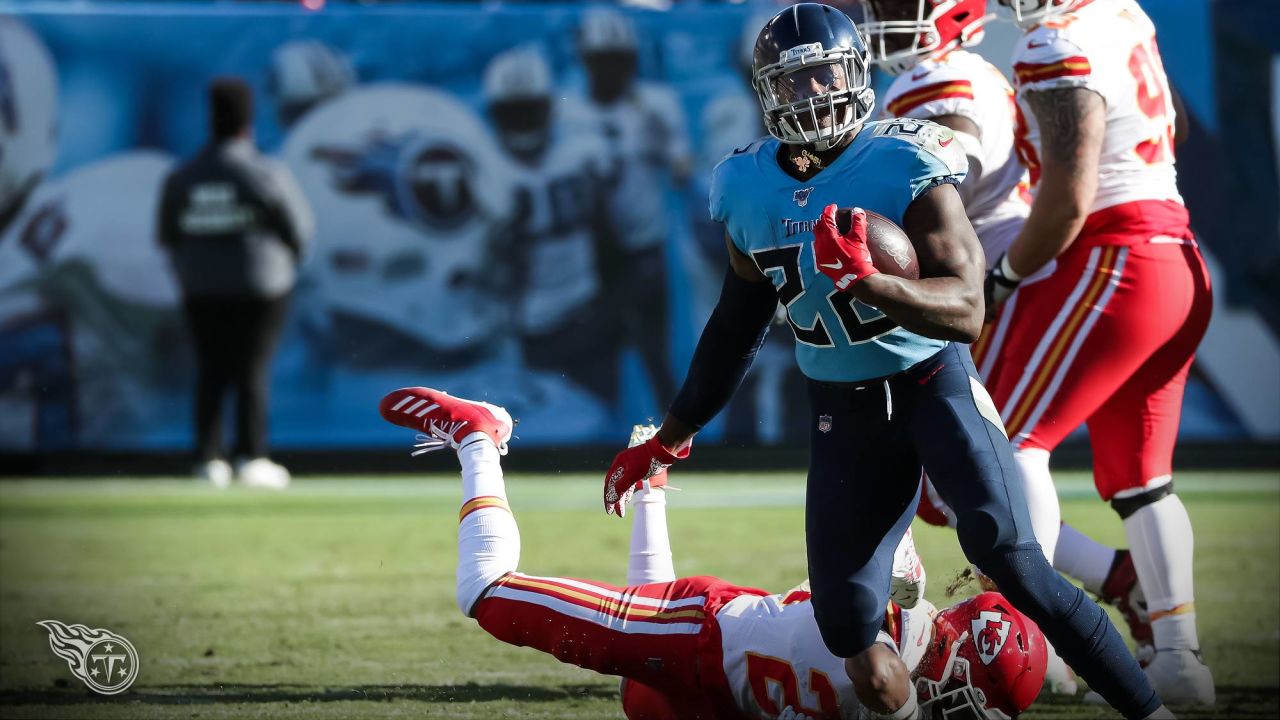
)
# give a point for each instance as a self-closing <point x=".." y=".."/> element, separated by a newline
<point x="542" y="492"/>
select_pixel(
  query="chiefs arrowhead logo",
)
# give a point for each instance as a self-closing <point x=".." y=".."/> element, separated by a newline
<point x="990" y="631"/>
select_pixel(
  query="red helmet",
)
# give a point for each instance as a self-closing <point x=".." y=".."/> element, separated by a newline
<point x="901" y="33"/>
<point x="986" y="661"/>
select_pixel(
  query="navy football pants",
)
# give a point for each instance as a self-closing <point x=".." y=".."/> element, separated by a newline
<point x="869" y="443"/>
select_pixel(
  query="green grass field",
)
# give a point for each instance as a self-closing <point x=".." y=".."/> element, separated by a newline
<point x="335" y="599"/>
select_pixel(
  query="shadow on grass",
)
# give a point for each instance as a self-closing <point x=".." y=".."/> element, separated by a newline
<point x="1234" y="701"/>
<point x="249" y="694"/>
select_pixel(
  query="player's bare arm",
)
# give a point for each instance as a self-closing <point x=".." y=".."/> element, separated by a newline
<point x="1072" y="122"/>
<point x="946" y="302"/>
<point x="970" y="137"/>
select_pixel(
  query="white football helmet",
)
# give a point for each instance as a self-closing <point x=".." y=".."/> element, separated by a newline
<point x="28" y="110"/>
<point x="517" y="87"/>
<point x="1027" y="13"/>
<point x="305" y="73"/>
<point x="519" y="73"/>
<point x="605" y="30"/>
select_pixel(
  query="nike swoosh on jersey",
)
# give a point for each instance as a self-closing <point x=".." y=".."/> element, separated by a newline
<point x="918" y="75"/>
<point x="1032" y="44"/>
<point x="834" y="266"/>
<point x="948" y="141"/>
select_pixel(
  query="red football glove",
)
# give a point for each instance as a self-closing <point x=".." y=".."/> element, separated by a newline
<point x="632" y="467"/>
<point x="843" y="258"/>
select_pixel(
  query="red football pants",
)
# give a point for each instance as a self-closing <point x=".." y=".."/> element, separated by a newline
<point x="661" y="637"/>
<point x="1106" y="339"/>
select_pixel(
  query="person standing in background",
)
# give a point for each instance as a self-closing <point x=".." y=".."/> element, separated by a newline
<point x="646" y="142"/>
<point x="236" y="226"/>
<point x="557" y="227"/>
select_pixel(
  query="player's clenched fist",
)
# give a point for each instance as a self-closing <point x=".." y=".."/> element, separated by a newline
<point x="632" y="467"/>
<point x="843" y="257"/>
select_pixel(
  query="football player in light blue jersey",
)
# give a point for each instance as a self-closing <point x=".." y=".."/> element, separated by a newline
<point x="770" y="214"/>
<point x="892" y="388"/>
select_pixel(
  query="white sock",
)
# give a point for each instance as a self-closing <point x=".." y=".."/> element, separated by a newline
<point x="1083" y="558"/>
<point x="488" y="538"/>
<point x="1160" y="540"/>
<point x="1042" y="497"/>
<point x="650" y="560"/>
<point x="1057" y="676"/>
<point x="910" y="710"/>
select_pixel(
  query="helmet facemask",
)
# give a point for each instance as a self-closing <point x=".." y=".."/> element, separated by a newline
<point x="950" y="694"/>
<point x="814" y="97"/>
<point x="523" y="123"/>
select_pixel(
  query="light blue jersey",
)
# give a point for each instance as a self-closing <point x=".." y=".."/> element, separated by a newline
<point x="770" y="217"/>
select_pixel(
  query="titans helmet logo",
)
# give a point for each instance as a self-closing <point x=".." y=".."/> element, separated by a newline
<point x="104" y="661"/>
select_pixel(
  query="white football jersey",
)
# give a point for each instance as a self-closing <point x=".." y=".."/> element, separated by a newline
<point x="1108" y="46"/>
<point x="644" y="134"/>
<point x="963" y="83"/>
<point x="552" y="228"/>
<point x="408" y="188"/>
<point x="774" y="656"/>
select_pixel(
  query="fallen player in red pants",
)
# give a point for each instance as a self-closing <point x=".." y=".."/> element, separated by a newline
<point x="702" y="647"/>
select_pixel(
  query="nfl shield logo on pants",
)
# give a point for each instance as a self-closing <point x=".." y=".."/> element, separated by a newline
<point x="824" y="423"/>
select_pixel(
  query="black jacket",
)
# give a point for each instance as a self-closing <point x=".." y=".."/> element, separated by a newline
<point x="235" y="222"/>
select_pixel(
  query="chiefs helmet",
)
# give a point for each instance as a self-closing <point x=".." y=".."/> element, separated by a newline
<point x="901" y="33"/>
<point x="810" y="73"/>
<point x="987" y="662"/>
<point x="1027" y="13"/>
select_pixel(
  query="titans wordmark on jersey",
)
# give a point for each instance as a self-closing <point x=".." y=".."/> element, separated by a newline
<point x="770" y="216"/>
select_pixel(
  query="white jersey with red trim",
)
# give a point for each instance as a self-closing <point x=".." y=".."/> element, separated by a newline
<point x="1108" y="46"/>
<point x="963" y="83"/>
<point x="774" y="656"/>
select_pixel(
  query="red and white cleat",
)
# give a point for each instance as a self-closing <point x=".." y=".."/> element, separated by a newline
<point x="445" y="420"/>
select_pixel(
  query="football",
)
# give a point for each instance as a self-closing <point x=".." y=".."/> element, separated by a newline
<point x="891" y="249"/>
